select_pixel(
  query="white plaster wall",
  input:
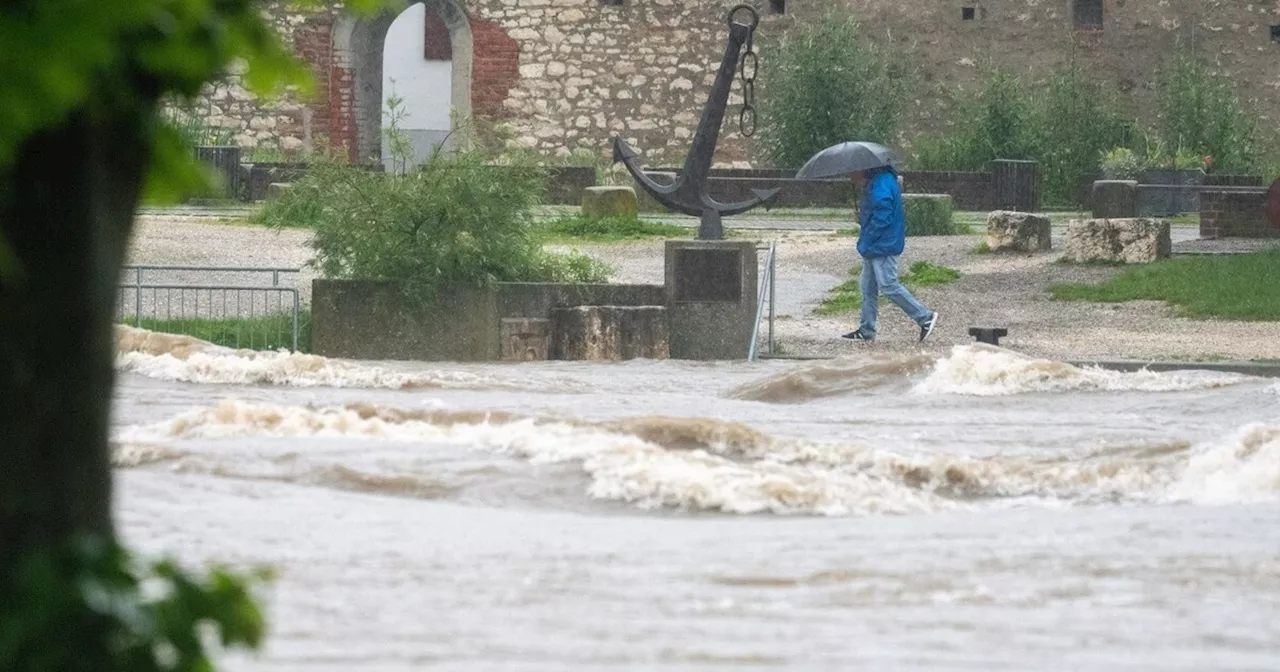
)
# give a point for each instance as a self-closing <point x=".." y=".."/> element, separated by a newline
<point x="425" y="87"/>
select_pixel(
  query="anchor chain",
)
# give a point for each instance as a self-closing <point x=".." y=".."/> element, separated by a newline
<point x="747" y="117"/>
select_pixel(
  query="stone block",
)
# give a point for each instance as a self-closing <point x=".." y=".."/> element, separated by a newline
<point x="609" y="201"/>
<point x="1115" y="199"/>
<point x="595" y="333"/>
<point x="1009" y="231"/>
<point x="524" y="339"/>
<point x="1126" y="240"/>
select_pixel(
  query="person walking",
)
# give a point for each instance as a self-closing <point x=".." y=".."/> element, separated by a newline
<point x="881" y="239"/>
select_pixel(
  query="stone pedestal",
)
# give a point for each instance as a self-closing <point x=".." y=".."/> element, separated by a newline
<point x="609" y="202"/>
<point x="609" y="333"/>
<point x="1015" y="185"/>
<point x="1018" y="232"/>
<point x="1130" y="241"/>
<point x="711" y="298"/>
<point x="1115" y="199"/>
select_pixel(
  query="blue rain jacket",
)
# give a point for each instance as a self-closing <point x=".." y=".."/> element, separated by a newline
<point x="882" y="219"/>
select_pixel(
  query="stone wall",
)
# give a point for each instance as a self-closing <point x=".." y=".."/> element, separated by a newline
<point x="565" y="75"/>
<point x="561" y="76"/>
<point x="1235" y="214"/>
<point x="1034" y="36"/>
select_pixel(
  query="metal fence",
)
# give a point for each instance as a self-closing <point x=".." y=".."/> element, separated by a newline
<point x="241" y="313"/>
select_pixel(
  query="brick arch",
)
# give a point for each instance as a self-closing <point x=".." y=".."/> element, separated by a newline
<point x="357" y="55"/>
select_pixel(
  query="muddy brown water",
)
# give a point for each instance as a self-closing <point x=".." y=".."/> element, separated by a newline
<point x="977" y="510"/>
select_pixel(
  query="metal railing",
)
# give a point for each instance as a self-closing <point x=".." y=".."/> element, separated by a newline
<point x="767" y="286"/>
<point x="238" y="314"/>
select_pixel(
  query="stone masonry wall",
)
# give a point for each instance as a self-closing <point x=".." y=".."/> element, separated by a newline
<point x="565" y="75"/>
<point x="1033" y="36"/>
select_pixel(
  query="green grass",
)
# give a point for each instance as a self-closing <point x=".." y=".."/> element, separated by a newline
<point x="254" y="333"/>
<point x="847" y="296"/>
<point x="578" y="228"/>
<point x="1234" y="287"/>
<point x="982" y="248"/>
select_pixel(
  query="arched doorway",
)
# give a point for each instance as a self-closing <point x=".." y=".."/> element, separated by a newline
<point x="417" y="73"/>
<point x="397" y="45"/>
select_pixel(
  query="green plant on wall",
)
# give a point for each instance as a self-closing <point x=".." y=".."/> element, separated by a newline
<point x="1201" y="115"/>
<point x="995" y="120"/>
<point x="1065" y="123"/>
<point x="827" y="83"/>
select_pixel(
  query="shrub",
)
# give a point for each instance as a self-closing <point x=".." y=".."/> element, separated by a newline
<point x="456" y="219"/>
<point x="1078" y="120"/>
<point x="1201" y="115"/>
<point x="828" y="83"/>
<point x="1121" y="163"/>
<point x="999" y="124"/>
<point x="928" y="215"/>
<point x="1066" y="128"/>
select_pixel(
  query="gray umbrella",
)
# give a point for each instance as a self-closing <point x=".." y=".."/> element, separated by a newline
<point x="845" y="158"/>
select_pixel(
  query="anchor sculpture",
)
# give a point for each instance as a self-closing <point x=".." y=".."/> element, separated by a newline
<point x="688" y="193"/>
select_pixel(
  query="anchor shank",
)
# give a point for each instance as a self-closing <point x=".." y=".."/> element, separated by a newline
<point x="697" y="165"/>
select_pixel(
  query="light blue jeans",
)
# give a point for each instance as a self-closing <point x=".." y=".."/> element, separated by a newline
<point x="880" y="276"/>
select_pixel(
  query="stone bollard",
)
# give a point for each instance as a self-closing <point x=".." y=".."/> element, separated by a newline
<point x="600" y="202"/>
<point x="1115" y="199"/>
<point x="1129" y="240"/>
<point x="1018" y="232"/>
<point x="596" y="333"/>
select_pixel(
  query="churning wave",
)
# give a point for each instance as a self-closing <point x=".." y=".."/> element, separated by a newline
<point x="975" y="370"/>
<point x="182" y="358"/>
<point x="687" y="464"/>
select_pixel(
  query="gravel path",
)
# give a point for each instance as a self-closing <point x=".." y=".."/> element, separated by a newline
<point x="1008" y="291"/>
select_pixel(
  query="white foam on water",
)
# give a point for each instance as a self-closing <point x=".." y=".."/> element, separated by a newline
<point x="683" y="463"/>
<point x="182" y="358"/>
<point x="1242" y="468"/>
<point x="985" y="370"/>
<point x="292" y="369"/>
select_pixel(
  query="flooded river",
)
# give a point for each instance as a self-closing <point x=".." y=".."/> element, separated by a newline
<point x="979" y="510"/>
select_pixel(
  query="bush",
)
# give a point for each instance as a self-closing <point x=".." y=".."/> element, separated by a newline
<point x="1078" y="120"/>
<point x="1121" y="163"/>
<point x="1202" y="116"/>
<point x="457" y="219"/>
<point x="928" y="215"/>
<point x="827" y="83"/>
<point x="1066" y="128"/>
